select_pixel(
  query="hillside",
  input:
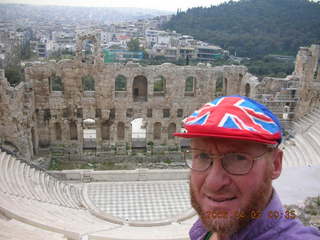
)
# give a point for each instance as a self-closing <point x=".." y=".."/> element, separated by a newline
<point x="253" y="27"/>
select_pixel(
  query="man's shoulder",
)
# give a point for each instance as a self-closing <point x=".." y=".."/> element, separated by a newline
<point x="295" y="230"/>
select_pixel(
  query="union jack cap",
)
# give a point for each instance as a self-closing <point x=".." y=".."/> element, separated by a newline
<point x="234" y="117"/>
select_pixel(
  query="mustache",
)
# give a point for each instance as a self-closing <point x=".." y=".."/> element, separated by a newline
<point x="225" y="190"/>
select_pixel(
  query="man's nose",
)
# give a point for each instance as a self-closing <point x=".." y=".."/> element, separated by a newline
<point x="217" y="178"/>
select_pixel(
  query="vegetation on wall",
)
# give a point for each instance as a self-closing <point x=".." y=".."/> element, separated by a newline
<point x="14" y="74"/>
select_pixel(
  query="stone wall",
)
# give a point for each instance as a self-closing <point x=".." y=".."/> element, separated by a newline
<point x="112" y="110"/>
<point x="17" y="125"/>
<point x="60" y="106"/>
<point x="307" y="69"/>
<point x="50" y="109"/>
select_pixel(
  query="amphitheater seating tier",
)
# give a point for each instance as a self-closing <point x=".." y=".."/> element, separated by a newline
<point x="36" y="203"/>
<point x="303" y="148"/>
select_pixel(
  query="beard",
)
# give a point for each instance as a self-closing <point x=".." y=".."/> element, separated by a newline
<point x="231" y="224"/>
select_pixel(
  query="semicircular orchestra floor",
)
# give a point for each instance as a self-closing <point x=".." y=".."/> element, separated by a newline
<point x="141" y="201"/>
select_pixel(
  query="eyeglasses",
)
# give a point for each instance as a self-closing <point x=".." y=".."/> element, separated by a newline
<point x="233" y="163"/>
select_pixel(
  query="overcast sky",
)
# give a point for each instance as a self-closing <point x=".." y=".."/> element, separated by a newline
<point x="170" y="5"/>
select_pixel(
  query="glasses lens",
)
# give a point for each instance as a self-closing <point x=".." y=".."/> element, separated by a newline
<point x="237" y="163"/>
<point x="197" y="160"/>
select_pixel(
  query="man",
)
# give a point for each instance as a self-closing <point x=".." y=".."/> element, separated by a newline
<point x="234" y="157"/>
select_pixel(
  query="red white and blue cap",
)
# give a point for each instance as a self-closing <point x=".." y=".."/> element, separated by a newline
<point x="234" y="117"/>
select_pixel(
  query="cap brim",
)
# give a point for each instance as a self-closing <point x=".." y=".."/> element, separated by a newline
<point x="239" y="137"/>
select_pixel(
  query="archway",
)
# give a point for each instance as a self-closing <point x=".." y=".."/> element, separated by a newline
<point x="89" y="133"/>
<point x="140" y="89"/>
<point x="139" y="132"/>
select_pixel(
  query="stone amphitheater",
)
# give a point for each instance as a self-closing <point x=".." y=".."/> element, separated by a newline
<point x="143" y="203"/>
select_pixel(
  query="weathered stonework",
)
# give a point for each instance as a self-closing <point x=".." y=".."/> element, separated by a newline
<point x="33" y="116"/>
<point x="307" y="69"/>
<point x="49" y="109"/>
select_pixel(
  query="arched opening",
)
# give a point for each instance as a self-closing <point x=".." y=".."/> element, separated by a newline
<point x="159" y="85"/>
<point x="58" y="132"/>
<point x="190" y="84"/>
<point x="121" y="83"/>
<point x="120" y="131"/>
<point x="105" y="130"/>
<point x="73" y="131"/>
<point x="88" y="83"/>
<point x="56" y="84"/>
<point x="157" y="131"/>
<point x="171" y="130"/>
<point x="89" y="133"/>
<point x="247" y="90"/>
<point x="139" y="132"/>
<point x="140" y="89"/>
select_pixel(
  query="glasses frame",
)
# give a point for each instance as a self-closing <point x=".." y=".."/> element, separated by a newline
<point x="221" y="157"/>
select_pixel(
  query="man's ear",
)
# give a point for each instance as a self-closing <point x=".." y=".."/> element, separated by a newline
<point x="277" y="163"/>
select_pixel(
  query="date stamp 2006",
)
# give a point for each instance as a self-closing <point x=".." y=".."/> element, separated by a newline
<point x="274" y="214"/>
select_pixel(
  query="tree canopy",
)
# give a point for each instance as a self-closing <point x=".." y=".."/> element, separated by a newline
<point x="253" y="27"/>
<point x="134" y="45"/>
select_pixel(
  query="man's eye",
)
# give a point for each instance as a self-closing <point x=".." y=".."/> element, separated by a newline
<point x="204" y="156"/>
<point x="240" y="157"/>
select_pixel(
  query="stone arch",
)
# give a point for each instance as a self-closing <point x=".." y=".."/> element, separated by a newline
<point x="73" y="130"/>
<point x="247" y="90"/>
<point x="159" y="84"/>
<point x="105" y="130"/>
<point x="58" y="131"/>
<point x="56" y="84"/>
<point x="190" y="84"/>
<point x="157" y="131"/>
<point x="120" y="131"/>
<point x="88" y="83"/>
<point x="121" y="83"/>
<point x="89" y="133"/>
<point x="172" y="128"/>
<point x="138" y="133"/>
<point x="140" y="89"/>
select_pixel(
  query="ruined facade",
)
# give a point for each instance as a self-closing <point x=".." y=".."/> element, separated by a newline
<point x="84" y="103"/>
<point x="58" y="102"/>
<point x="307" y="70"/>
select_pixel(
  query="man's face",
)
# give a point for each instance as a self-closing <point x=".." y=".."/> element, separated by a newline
<point x="216" y="191"/>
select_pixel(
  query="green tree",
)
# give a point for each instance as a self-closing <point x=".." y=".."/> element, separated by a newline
<point x="14" y="74"/>
<point x="134" y="45"/>
<point x="253" y="28"/>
